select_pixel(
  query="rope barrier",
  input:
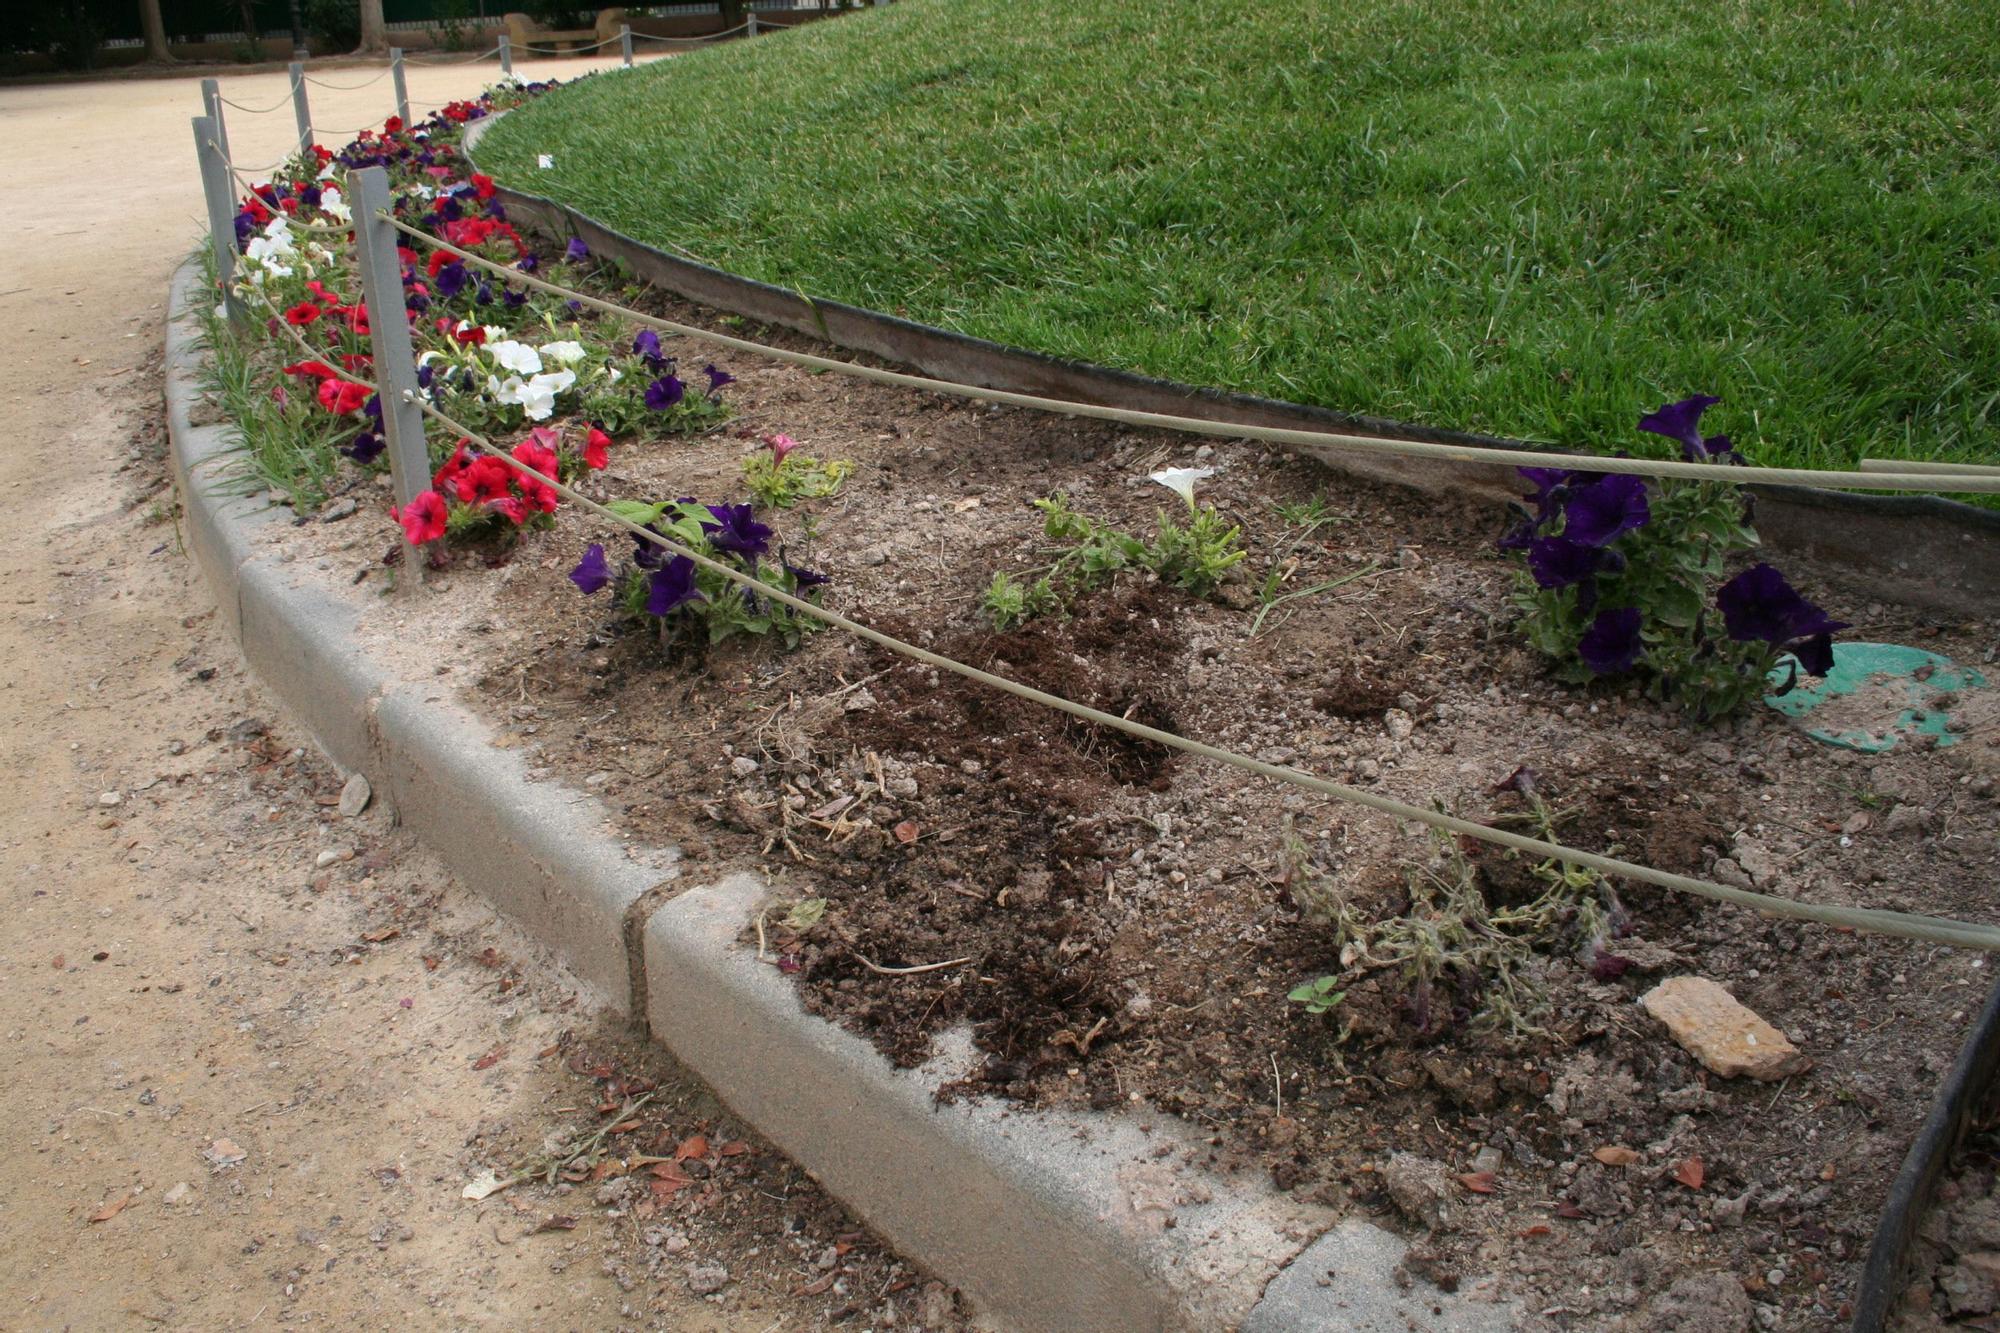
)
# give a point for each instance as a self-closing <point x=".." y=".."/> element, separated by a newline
<point x="453" y="60"/>
<point x="243" y="173"/>
<point x="1906" y="925"/>
<point x="278" y="105"/>
<point x="575" y="50"/>
<point x="347" y="87"/>
<point x="1450" y="453"/>
<point x="704" y="37"/>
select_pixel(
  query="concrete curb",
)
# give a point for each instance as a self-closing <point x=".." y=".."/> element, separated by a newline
<point x="1058" y="1222"/>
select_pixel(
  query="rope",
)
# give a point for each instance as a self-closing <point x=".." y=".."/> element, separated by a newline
<point x="453" y="60"/>
<point x="281" y="103"/>
<point x="243" y="173"/>
<point x="1907" y="925"/>
<point x="704" y="37"/>
<point x="347" y="87"/>
<point x="575" y="50"/>
<point x="1450" y="453"/>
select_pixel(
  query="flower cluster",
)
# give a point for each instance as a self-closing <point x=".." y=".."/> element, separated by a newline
<point x="692" y="603"/>
<point x="1622" y="577"/>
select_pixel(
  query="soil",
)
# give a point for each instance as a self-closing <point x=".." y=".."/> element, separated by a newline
<point x="1114" y="926"/>
<point x="242" y="1087"/>
<point x="1954" y="1258"/>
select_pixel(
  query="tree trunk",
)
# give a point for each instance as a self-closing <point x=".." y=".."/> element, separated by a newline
<point x="374" y="32"/>
<point x="732" y="14"/>
<point x="156" y="32"/>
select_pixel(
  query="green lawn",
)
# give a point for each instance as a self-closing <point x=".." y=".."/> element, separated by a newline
<point x="1537" y="218"/>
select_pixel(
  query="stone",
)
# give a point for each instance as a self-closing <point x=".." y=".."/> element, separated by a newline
<point x="109" y="799"/>
<point x="177" y="1194"/>
<point x="1420" y="1187"/>
<point x="743" y="766"/>
<point x="1701" y="1303"/>
<point x="333" y="856"/>
<point x="247" y="729"/>
<point x="707" y="1279"/>
<point x="354" y="796"/>
<point x="335" y="510"/>
<point x="861" y="701"/>
<point x="1399" y="724"/>
<point x="1728" y="1038"/>
<point x="1906" y="819"/>
<point x="1968" y="1287"/>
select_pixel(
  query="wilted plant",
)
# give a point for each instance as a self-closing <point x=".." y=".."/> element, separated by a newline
<point x="781" y="474"/>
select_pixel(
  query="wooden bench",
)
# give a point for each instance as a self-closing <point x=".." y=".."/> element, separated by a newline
<point x="522" y="32"/>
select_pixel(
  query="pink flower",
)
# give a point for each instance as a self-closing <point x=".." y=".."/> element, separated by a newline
<point x="424" y="520"/>
<point x="779" y="445"/>
<point x="597" y="450"/>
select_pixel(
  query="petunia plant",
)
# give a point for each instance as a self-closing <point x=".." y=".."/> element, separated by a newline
<point x="1621" y="578"/>
<point x="781" y="474"/>
<point x="694" y="606"/>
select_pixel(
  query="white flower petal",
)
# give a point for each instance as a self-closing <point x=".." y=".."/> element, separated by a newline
<point x="563" y="353"/>
<point x="1181" y="480"/>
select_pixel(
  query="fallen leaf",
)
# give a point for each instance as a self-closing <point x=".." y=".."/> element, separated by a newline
<point x="1827" y="1172"/>
<point x="806" y="914"/>
<point x="490" y="1059"/>
<point x="1539" y="1229"/>
<point x="669" y="1179"/>
<point x="1479" y="1182"/>
<point x="490" y="957"/>
<point x="1569" y="1211"/>
<point x="694" y="1147"/>
<point x="906" y="832"/>
<point x="111" y="1210"/>
<point x="430" y="962"/>
<point x="556" y="1222"/>
<point x="625" y="1126"/>
<point x="1689" y="1173"/>
<point x="1616" y="1155"/>
<point x="817" y="1286"/>
<point x="734" y="1148"/>
<point x="485" y="1183"/>
<point x="385" y="933"/>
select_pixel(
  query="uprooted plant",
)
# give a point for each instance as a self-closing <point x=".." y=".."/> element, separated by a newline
<point x="1448" y="954"/>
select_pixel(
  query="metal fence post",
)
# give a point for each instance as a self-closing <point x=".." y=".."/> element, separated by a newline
<point x="300" y="110"/>
<point x="389" y="334"/>
<point x="625" y="42"/>
<point x="220" y="198"/>
<point x="402" y="89"/>
<point x="211" y="106"/>
<point x="506" y="55"/>
<point x="750" y="24"/>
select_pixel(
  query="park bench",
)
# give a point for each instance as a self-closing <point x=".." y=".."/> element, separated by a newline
<point x="522" y="32"/>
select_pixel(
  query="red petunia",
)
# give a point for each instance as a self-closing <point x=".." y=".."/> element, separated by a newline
<point x="424" y="520"/>
<point x="323" y="154"/>
<point x="305" y="312"/>
<point x="439" y="258"/>
<point x="532" y="453"/>
<point x="317" y="369"/>
<point x="470" y="334"/>
<point x="447" y="476"/>
<point x="393" y="125"/>
<point x="487" y="480"/>
<point x="512" y="509"/>
<point x="597" y="450"/>
<point x="538" y="497"/>
<point x="482" y="185"/>
<point x="343" y="396"/>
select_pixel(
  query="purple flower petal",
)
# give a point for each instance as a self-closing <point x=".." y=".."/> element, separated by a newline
<point x="1612" y="642"/>
<point x="736" y="529"/>
<point x="664" y="392"/>
<point x="1558" y="562"/>
<point x="576" y="251"/>
<point x="591" y="572"/>
<point x="673" y="587"/>
<point x="1597" y="512"/>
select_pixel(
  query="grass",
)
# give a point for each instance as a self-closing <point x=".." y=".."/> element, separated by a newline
<point x="278" y="448"/>
<point x="1536" y="218"/>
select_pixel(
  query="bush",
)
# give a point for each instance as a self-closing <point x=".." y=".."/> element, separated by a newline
<point x="334" y="25"/>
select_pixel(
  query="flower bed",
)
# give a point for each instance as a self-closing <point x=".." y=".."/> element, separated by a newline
<point x="1120" y="926"/>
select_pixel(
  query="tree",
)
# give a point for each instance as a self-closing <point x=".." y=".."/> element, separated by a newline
<point x="156" y="31"/>
<point x="374" y="31"/>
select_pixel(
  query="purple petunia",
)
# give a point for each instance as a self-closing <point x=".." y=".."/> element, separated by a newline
<point x="528" y="264"/>
<point x="1612" y="642"/>
<point x="591" y="573"/>
<point x="451" y="279"/>
<point x="1682" y="421"/>
<point x="512" y="299"/>
<point x="736" y="529"/>
<point x="716" y="378"/>
<point x="647" y="345"/>
<point x="576" y="251"/>
<point x="1598" y="511"/>
<point x="673" y="587"/>
<point x="1558" y="562"/>
<point x="364" y="448"/>
<point x="664" y="392"/>
<point x="803" y="577"/>
<point x="1759" y="605"/>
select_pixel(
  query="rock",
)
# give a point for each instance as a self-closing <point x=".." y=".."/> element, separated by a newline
<point x="1399" y="724"/>
<point x="109" y="799"/>
<point x="1729" y="1212"/>
<point x="1420" y="1187"/>
<point x="177" y="746"/>
<point x="875" y="555"/>
<point x="247" y="729"/>
<point x="354" y="796"/>
<point x="618" y="1193"/>
<point x="333" y="856"/>
<point x="743" y="766"/>
<point x="906" y="788"/>
<point x="1715" y="1029"/>
<point x="1488" y="1158"/>
<point x="1728" y="872"/>
<point x="1906" y="819"/>
<point x="707" y="1279"/>
<point x="1976" y="1226"/>
<point x="222" y="1153"/>
<point x="861" y="701"/>
<point x="1701" y="1303"/>
<point x="177" y="1194"/>
<point x="1757" y="861"/>
<point x="335" y="510"/>
<point x="1968" y="1288"/>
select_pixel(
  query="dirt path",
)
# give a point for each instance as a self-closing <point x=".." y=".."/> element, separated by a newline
<point x="265" y="1044"/>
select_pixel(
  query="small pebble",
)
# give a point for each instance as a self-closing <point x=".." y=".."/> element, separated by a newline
<point x="109" y="799"/>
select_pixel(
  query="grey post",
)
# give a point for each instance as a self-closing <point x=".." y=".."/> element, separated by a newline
<point x="211" y="106"/>
<point x="300" y="110"/>
<point x="216" y="192"/>
<point x="625" y="42"/>
<point x="750" y="24"/>
<point x="402" y="89"/>
<point x="389" y="331"/>
<point x="506" y="55"/>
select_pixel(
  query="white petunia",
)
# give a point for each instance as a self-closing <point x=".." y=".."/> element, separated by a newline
<point x="515" y="356"/>
<point x="612" y="374"/>
<point x="545" y="162"/>
<point x="538" y="395"/>
<point x="506" y="392"/>
<point x="330" y="200"/>
<point x="563" y="353"/>
<point x="1181" y="480"/>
